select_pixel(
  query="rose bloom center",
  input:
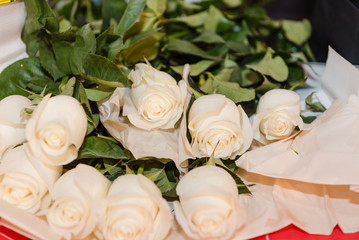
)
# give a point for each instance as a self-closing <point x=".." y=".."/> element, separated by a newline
<point x="211" y="222"/>
<point x="18" y="190"/>
<point x="222" y="142"/>
<point x="157" y="103"/>
<point x="277" y="125"/>
<point x="54" y="138"/>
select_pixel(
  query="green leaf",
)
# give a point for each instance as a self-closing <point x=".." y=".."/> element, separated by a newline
<point x="85" y="43"/>
<point x="85" y="104"/>
<point x="97" y="147"/>
<point x="103" y="83"/>
<point x="214" y="16"/>
<point x="159" y="176"/>
<point x="146" y="48"/>
<point x="86" y="39"/>
<point x="194" y="20"/>
<point x="274" y="67"/>
<point x="129" y="170"/>
<point x="92" y="126"/>
<point x="296" y="76"/>
<point x="96" y="95"/>
<point x="63" y="51"/>
<point x="309" y="52"/>
<point x="102" y="71"/>
<point x="196" y="69"/>
<point x="249" y="77"/>
<point x="297" y="32"/>
<point x="64" y="25"/>
<point x="314" y="106"/>
<point x="207" y="87"/>
<point x="19" y="74"/>
<point x="38" y="84"/>
<point x="69" y="87"/>
<point x="48" y="61"/>
<point x="301" y="56"/>
<point x="239" y="48"/>
<point x="158" y="6"/>
<point x="114" y="48"/>
<point x="101" y="40"/>
<point x="224" y="75"/>
<point x="266" y="86"/>
<point x="234" y="92"/>
<point x="233" y="3"/>
<point x="130" y="42"/>
<point x="111" y="166"/>
<point x="242" y="188"/>
<point x="39" y="18"/>
<point x="209" y="37"/>
<point x="112" y="9"/>
<point x="308" y="119"/>
<point x="183" y="46"/>
<point x="131" y="15"/>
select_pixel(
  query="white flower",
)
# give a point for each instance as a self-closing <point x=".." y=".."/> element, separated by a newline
<point x="155" y="101"/>
<point x="22" y="184"/>
<point x="277" y="116"/>
<point x="135" y="124"/>
<point x="76" y="196"/>
<point x="56" y="130"/>
<point x="208" y="206"/>
<point x="135" y="209"/>
<point x="218" y="126"/>
<point x="12" y="121"/>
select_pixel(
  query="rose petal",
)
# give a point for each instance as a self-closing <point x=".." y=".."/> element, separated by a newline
<point x="18" y="169"/>
<point x="197" y="181"/>
<point x="67" y="113"/>
<point x="140" y="192"/>
<point x="277" y="97"/>
<point x="79" y="191"/>
<point x="12" y="124"/>
<point x="13" y="106"/>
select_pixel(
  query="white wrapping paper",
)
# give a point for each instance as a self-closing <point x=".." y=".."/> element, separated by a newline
<point x="12" y="18"/>
<point x="312" y="180"/>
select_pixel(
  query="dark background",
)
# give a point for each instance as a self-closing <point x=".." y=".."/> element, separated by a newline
<point x="334" y="23"/>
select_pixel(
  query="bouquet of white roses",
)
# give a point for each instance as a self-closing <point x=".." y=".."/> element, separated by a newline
<point x="99" y="114"/>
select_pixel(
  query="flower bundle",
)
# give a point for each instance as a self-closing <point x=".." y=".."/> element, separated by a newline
<point x="144" y="94"/>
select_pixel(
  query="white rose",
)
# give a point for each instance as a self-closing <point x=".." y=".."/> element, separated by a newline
<point x="22" y="184"/>
<point x="56" y="130"/>
<point x="218" y="126"/>
<point x="208" y="206"/>
<point x="77" y="195"/>
<point x="135" y="209"/>
<point x="12" y="121"/>
<point x="146" y="138"/>
<point x="277" y="116"/>
<point x="155" y="101"/>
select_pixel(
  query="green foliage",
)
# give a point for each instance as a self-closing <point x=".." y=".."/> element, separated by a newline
<point x="274" y="67"/>
<point x="131" y="15"/>
<point x="19" y="75"/>
<point x="297" y="32"/>
<point x="315" y="106"/>
<point x="97" y="147"/>
<point x="102" y="71"/>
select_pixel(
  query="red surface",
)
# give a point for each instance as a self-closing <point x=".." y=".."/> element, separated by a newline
<point x="290" y="232"/>
<point x="294" y="233"/>
<point x="7" y="234"/>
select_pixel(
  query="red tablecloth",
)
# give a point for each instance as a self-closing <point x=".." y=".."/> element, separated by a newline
<point x="291" y="232"/>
